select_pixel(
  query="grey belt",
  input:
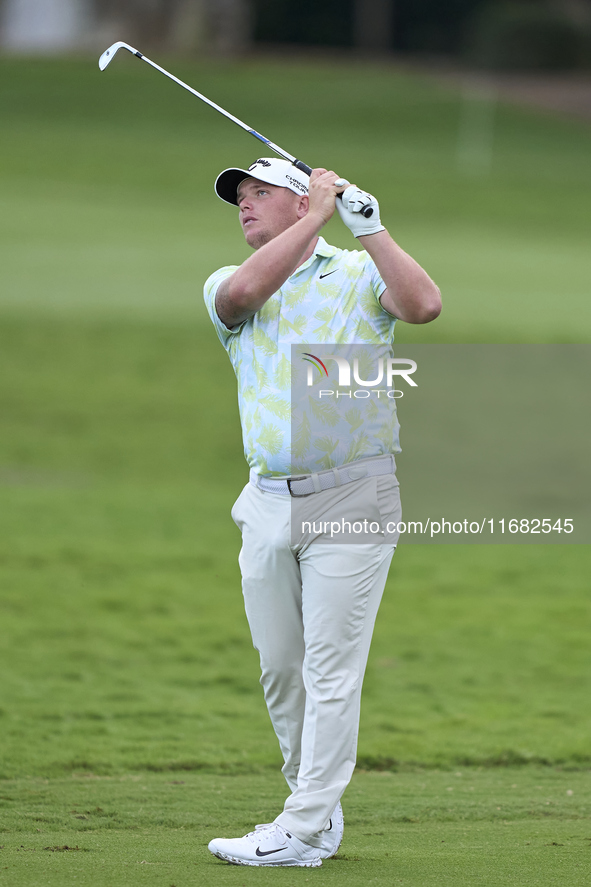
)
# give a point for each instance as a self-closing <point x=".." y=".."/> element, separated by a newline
<point x="325" y="480"/>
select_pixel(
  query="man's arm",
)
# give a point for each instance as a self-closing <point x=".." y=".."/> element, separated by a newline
<point x="262" y="274"/>
<point x="410" y="293"/>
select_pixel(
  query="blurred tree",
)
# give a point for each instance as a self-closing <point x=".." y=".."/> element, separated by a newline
<point x="579" y="11"/>
<point x="549" y="33"/>
<point x="408" y="25"/>
<point x="529" y="35"/>
<point x="373" y="24"/>
<point x="230" y="26"/>
<point x="308" y="23"/>
<point x="222" y="27"/>
<point x="429" y="26"/>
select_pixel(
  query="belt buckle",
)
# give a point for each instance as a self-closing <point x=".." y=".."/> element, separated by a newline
<point x="357" y="473"/>
<point x="293" y="495"/>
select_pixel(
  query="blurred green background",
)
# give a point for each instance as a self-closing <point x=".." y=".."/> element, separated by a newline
<point x="124" y="645"/>
<point x="132" y="727"/>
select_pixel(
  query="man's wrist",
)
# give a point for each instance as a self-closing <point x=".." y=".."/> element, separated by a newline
<point x="370" y="234"/>
<point x="374" y="234"/>
<point x="315" y="219"/>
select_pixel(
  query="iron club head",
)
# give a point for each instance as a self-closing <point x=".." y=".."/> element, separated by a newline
<point x="109" y="54"/>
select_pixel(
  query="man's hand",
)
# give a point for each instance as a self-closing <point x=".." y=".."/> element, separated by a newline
<point x="323" y="191"/>
<point x="349" y="209"/>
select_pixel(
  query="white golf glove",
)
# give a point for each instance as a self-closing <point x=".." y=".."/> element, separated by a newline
<point x="349" y="209"/>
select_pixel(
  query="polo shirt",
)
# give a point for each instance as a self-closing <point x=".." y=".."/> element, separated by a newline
<point x="331" y="299"/>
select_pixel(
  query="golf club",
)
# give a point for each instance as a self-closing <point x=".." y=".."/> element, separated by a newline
<point x="108" y="56"/>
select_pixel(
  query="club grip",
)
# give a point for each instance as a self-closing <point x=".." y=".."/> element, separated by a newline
<point x="299" y="164"/>
<point x="366" y="212"/>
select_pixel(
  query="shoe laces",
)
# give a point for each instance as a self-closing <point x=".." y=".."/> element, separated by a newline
<point x="273" y="829"/>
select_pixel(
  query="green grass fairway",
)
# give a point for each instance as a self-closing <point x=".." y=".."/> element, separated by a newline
<point x="124" y="635"/>
<point x="490" y="828"/>
<point x="132" y="727"/>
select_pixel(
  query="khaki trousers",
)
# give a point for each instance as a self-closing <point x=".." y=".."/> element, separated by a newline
<point x="311" y="609"/>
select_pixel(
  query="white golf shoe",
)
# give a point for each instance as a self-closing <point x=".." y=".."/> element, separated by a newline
<point x="333" y="835"/>
<point x="268" y="845"/>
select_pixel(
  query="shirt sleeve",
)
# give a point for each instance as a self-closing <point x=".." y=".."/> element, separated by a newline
<point x="377" y="284"/>
<point x="209" y="293"/>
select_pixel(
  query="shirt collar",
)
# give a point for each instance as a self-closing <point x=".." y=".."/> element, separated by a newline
<point x="322" y="250"/>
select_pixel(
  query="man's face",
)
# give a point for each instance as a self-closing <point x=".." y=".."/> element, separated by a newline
<point x="267" y="210"/>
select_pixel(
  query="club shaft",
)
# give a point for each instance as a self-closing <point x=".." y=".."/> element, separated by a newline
<point x="105" y="59"/>
<point x="221" y="110"/>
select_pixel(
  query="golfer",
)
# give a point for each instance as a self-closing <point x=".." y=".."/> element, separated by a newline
<point x="311" y="605"/>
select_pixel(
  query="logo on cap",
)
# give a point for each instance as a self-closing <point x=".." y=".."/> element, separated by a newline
<point x="261" y="162"/>
<point x="296" y="184"/>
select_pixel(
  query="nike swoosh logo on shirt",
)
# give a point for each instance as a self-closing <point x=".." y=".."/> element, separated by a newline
<point x="260" y="852"/>
<point x="327" y="273"/>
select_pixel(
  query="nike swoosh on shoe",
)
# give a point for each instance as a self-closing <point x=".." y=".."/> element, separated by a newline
<point x="260" y="852"/>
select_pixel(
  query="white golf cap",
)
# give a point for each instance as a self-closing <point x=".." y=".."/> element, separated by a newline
<point x="267" y="169"/>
